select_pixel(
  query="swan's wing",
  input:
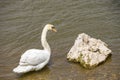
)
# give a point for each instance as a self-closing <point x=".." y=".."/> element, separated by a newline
<point x="33" y="57"/>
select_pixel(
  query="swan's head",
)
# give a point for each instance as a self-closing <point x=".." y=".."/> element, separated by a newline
<point x="51" y="27"/>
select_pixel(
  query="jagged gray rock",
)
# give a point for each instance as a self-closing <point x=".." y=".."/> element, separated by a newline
<point x="88" y="51"/>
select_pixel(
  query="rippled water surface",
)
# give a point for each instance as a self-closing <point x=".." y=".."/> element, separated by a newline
<point x="21" y="23"/>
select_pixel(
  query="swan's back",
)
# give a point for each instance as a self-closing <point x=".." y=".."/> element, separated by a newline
<point x="31" y="60"/>
<point x="34" y="57"/>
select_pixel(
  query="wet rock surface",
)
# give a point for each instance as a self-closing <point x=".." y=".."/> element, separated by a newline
<point x="88" y="51"/>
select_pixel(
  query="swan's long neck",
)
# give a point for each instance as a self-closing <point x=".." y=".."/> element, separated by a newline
<point x="44" y="41"/>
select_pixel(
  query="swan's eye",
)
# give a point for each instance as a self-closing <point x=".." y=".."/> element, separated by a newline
<point x="53" y="27"/>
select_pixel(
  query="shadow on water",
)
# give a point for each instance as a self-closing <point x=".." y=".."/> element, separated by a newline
<point x="40" y="75"/>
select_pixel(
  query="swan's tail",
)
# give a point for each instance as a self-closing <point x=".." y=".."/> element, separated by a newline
<point x="23" y="69"/>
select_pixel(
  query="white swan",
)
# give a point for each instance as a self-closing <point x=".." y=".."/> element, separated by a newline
<point x="35" y="59"/>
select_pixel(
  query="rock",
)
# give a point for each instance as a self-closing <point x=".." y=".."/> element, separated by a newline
<point x="88" y="51"/>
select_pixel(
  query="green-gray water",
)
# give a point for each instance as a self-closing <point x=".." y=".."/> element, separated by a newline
<point x="21" y="23"/>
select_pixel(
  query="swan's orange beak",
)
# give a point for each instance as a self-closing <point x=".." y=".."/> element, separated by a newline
<point x="54" y="30"/>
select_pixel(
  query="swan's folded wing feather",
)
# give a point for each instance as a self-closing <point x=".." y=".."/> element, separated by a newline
<point x="33" y="57"/>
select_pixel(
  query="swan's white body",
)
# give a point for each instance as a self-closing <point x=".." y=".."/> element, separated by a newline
<point x="35" y="59"/>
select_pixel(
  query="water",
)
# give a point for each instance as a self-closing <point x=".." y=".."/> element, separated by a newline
<point x="21" y="23"/>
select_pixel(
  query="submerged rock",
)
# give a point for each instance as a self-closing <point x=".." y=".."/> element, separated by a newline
<point x="88" y="51"/>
